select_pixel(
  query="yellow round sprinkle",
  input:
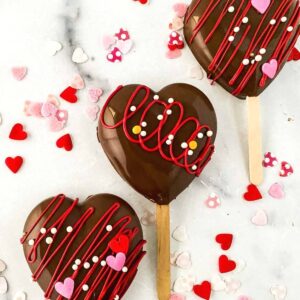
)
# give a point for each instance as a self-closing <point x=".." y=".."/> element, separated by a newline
<point x="136" y="129"/>
<point x="193" y="145"/>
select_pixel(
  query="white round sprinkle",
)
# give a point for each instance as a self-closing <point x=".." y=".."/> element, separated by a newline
<point x="117" y="297"/>
<point x="171" y="137"/>
<point x="95" y="259"/>
<point x="109" y="228"/>
<point x="169" y="112"/>
<point x="143" y="133"/>
<point x="171" y="100"/>
<point x="231" y="9"/>
<point x="174" y="34"/>
<point x="144" y="124"/>
<point x="103" y="263"/>
<point x="236" y="29"/>
<point x="155" y="97"/>
<point x="194" y="167"/>
<point x="184" y="145"/>
<point x="86" y="265"/>
<point x="160" y="117"/>
<point x="284" y="19"/>
<point x="77" y="261"/>
<point x="118" y="53"/>
<point x="132" y="108"/>
<point x="69" y="229"/>
<point x="262" y="51"/>
<point x="190" y="152"/>
<point x="43" y="230"/>
<point x="231" y="38"/>
<point x="290" y="28"/>
<point x="125" y="269"/>
<point x="53" y="230"/>
<point x="273" y="22"/>
<point x="209" y="133"/>
<point x="246" y="62"/>
<point x="200" y="135"/>
<point x="49" y="240"/>
<point x="245" y="20"/>
<point x="74" y="267"/>
<point x="252" y="61"/>
<point x="123" y="36"/>
<point x="110" y="56"/>
<point x="168" y="142"/>
<point x="85" y="287"/>
<point x="31" y="242"/>
<point x="258" y="57"/>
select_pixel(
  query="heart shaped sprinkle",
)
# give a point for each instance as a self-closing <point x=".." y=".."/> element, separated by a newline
<point x="92" y="112"/>
<point x="177" y="24"/>
<point x="142" y="1"/>
<point x="148" y="218"/>
<point x="203" y="290"/>
<point x="66" y="288"/>
<point x="184" y="284"/>
<point x="225" y="240"/>
<point x="260" y="218"/>
<point x="232" y="285"/>
<point x="3" y="285"/>
<point x="48" y="109"/>
<point x="276" y="191"/>
<point x="286" y="169"/>
<point x="79" y="56"/>
<point x="270" y="68"/>
<point x="225" y="264"/>
<point x="176" y="296"/>
<point x="18" y="133"/>
<point x="52" y="99"/>
<point x="196" y="72"/>
<point x="69" y="94"/>
<point x="125" y="46"/>
<point x="33" y="109"/>
<point x="55" y="124"/>
<point x="116" y="262"/>
<point x="180" y="234"/>
<point x="252" y="193"/>
<point x="20" y="296"/>
<point x="65" y="142"/>
<point x="261" y="5"/>
<point x="173" y="54"/>
<point x="269" y="160"/>
<point x="108" y="41"/>
<point x="95" y="94"/>
<point x="183" y="260"/>
<point x="77" y="82"/>
<point x="19" y="73"/>
<point x="14" y="163"/>
<point x="52" y="47"/>
<point x="180" y="9"/>
<point x="279" y="292"/>
<point x="217" y="283"/>
<point x="212" y="201"/>
<point x="119" y="244"/>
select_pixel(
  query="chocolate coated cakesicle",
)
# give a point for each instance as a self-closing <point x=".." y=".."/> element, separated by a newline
<point x="82" y="251"/>
<point x="158" y="142"/>
<point x="242" y="44"/>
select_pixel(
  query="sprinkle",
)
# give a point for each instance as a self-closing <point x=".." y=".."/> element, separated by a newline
<point x="124" y="269"/>
<point x="170" y="100"/>
<point x="109" y="228"/>
<point x="160" y="117"/>
<point x="52" y="47"/>
<point x="209" y="133"/>
<point x="245" y="20"/>
<point x="132" y="108"/>
<point x="194" y="167"/>
<point x="148" y="218"/>
<point x="85" y="287"/>
<point x="3" y="286"/>
<point x="155" y="97"/>
<point x="236" y="29"/>
<point x="184" y="145"/>
<point x="190" y="152"/>
<point x="69" y="229"/>
<point x="95" y="94"/>
<point x="79" y="56"/>
<point x="77" y="261"/>
<point x="49" y="240"/>
<point x="95" y="259"/>
<point x="43" y="230"/>
<point x="212" y="201"/>
<point x="31" y="242"/>
<point x="231" y="9"/>
<point x="19" y="73"/>
<point x="86" y="265"/>
<point x="103" y="263"/>
<point x="168" y="142"/>
<point x="180" y="234"/>
<point x="2" y="266"/>
<point x="193" y="145"/>
<point x="53" y="230"/>
<point x="136" y="129"/>
<point x="169" y="112"/>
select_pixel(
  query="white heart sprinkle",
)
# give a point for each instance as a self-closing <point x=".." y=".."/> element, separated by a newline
<point x="173" y="257"/>
<point x="180" y="234"/>
<point x="79" y="56"/>
<point x="279" y="292"/>
<point x="232" y="285"/>
<point x="2" y="266"/>
<point x="148" y="218"/>
<point x="183" y="260"/>
<point x="218" y="283"/>
<point x="240" y="265"/>
<point x="184" y="284"/>
<point x="52" y="47"/>
<point x="260" y="218"/>
<point x="3" y="285"/>
<point x="20" y="296"/>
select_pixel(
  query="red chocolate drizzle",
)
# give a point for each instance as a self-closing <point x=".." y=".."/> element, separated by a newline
<point x="261" y="40"/>
<point x="114" y="282"/>
<point x="182" y="159"/>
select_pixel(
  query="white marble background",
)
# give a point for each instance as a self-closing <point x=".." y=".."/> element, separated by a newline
<point x="271" y="252"/>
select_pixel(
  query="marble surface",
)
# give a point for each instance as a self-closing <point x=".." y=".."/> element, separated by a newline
<point x="271" y="252"/>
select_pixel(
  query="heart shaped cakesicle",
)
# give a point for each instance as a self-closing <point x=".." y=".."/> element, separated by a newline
<point x="82" y="251"/>
<point x="158" y="142"/>
<point x="243" y="45"/>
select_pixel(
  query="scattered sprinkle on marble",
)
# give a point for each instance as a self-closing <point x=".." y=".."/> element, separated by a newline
<point x="184" y="283"/>
<point x="184" y="260"/>
<point x="240" y="265"/>
<point x="279" y="292"/>
<point x="2" y="266"/>
<point x="3" y="285"/>
<point x="253" y="193"/>
<point x="212" y="201"/>
<point x="260" y="218"/>
<point x="286" y="169"/>
<point x="125" y="46"/>
<point x="95" y="94"/>
<point x="148" y="218"/>
<point x="20" y="296"/>
<point x="53" y="47"/>
<point x="19" y="73"/>
<point x="77" y="82"/>
<point x="173" y="54"/>
<point x="173" y="257"/>
<point x="217" y="283"/>
<point x="196" y="72"/>
<point x="269" y="160"/>
<point x="232" y="285"/>
<point x="276" y="191"/>
<point x="180" y="234"/>
<point x="108" y="41"/>
<point x="79" y="56"/>
<point x="92" y="111"/>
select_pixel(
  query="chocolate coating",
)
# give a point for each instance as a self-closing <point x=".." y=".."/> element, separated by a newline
<point x="156" y="178"/>
<point x="205" y="52"/>
<point x="101" y="203"/>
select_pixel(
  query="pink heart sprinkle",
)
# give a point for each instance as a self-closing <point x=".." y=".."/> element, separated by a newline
<point x="95" y="94"/>
<point x="116" y="262"/>
<point x="276" y="191"/>
<point x="52" y="99"/>
<point x="173" y="54"/>
<point x="176" y="296"/>
<point x="55" y="125"/>
<point x="65" y="289"/>
<point x="270" y="68"/>
<point x="19" y="73"/>
<point x="261" y="5"/>
<point x="180" y="9"/>
<point x="125" y="46"/>
<point x="62" y="115"/>
<point x="108" y="41"/>
<point x="48" y="110"/>
<point x="260" y="218"/>
<point x="77" y="82"/>
<point x="33" y="109"/>
<point x="92" y="111"/>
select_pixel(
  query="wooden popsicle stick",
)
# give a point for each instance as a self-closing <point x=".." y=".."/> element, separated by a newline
<point x="255" y="141"/>
<point x="163" y="252"/>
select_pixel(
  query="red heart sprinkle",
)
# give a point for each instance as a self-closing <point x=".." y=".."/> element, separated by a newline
<point x="17" y="133"/>
<point x="203" y="290"/>
<point x="69" y="94"/>
<point x="14" y="163"/>
<point x="225" y="240"/>
<point x="252" y="193"/>
<point x="65" y="142"/>
<point x="295" y="55"/>
<point x="119" y="244"/>
<point x="225" y="264"/>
